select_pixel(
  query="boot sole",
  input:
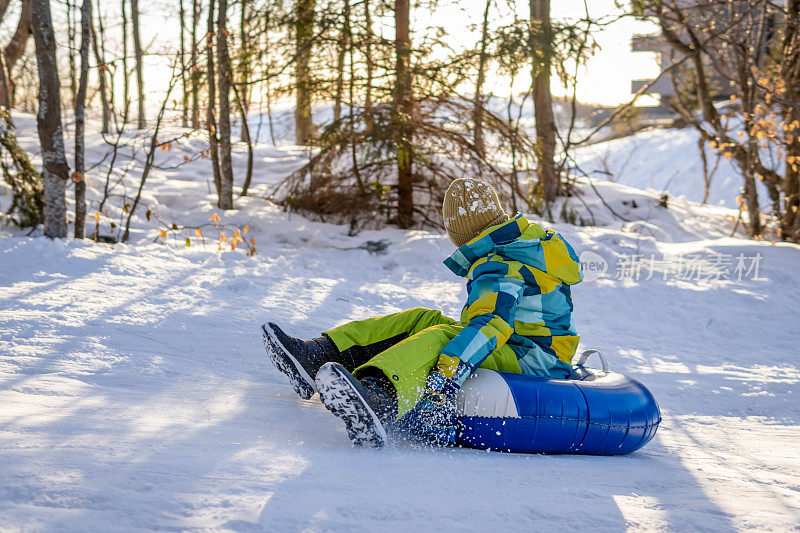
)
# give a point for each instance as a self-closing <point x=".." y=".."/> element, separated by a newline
<point x="302" y="383"/>
<point x="343" y="400"/>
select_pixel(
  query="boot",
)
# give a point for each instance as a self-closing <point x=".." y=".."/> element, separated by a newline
<point x="366" y="407"/>
<point x="298" y="359"/>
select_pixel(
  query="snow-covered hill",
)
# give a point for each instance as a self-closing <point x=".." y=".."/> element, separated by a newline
<point x="666" y="160"/>
<point x="135" y="393"/>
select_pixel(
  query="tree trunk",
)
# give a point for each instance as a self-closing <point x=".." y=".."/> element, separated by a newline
<point x="3" y="8"/>
<point x="403" y="107"/>
<point x="225" y="163"/>
<point x="195" y="69"/>
<point x="211" y="112"/>
<point x="137" y="50"/>
<point x="245" y="67"/>
<point x="751" y="198"/>
<point x="304" y="125"/>
<point x="80" y="121"/>
<point x="5" y="94"/>
<point x="340" y="60"/>
<point x="267" y="90"/>
<point x="542" y="34"/>
<point x="5" y="89"/>
<point x="246" y="137"/>
<point x="13" y="52"/>
<point x="55" y="171"/>
<point x="73" y="83"/>
<point x="480" y="147"/>
<point x="790" y="222"/>
<point x="369" y="120"/>
<point x="102" y="68"/>
<point x="126" y="87"/>
<point x="184" y="85"/>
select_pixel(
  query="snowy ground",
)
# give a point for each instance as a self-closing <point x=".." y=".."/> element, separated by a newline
<point x="136" y="394"/>
<point x="667" y="161"/>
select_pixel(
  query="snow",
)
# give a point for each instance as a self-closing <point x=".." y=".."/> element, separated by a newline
<point x="666" y="160"/>
<point x="136" y="393"/>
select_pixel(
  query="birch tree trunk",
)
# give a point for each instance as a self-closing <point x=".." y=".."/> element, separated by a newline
<point x="80" y="121"/>
<point x="137" y="50"/>
<point x="403" y="107"/>
<point x="55" y="171"/>
<point x="304" y="126"/>
<point x="478" y="102"/>
<point x="543" y="100"/>
<point x="225" y="163"/>
<point x="211" y="112"/>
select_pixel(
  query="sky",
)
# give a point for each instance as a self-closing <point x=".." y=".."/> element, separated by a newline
<point x="606" y="79"/>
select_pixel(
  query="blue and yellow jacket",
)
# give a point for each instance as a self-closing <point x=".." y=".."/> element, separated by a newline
<point x="518" y="292"/>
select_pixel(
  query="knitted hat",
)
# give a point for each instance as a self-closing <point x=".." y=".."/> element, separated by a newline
<point x="470" y="206"/>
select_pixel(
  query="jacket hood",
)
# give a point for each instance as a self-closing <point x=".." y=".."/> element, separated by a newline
<point x="520" y="240"/>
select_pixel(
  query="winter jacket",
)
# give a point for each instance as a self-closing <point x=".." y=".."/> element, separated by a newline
<point x="518" y="292"/>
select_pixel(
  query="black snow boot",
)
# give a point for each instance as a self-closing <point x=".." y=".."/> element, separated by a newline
<point x="367" y="407"/>
<point x="298" y="359"/>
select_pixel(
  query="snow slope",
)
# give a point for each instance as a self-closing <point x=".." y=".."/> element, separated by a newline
<point x="666" y="160"/>
<point x="136" y="394"/>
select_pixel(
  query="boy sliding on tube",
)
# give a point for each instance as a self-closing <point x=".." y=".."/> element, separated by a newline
<point x="404" y="370"/>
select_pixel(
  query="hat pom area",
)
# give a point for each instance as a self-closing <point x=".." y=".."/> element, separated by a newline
<point x="470" y="206"/>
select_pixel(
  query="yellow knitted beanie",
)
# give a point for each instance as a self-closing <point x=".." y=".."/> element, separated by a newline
<point x="470" y="206"/>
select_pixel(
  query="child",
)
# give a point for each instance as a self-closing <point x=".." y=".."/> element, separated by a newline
<point x="405" y="369"/>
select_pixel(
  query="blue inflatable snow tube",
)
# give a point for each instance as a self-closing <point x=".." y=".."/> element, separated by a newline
<point x="606" y="414"/>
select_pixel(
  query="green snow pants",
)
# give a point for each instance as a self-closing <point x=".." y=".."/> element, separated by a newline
<point x="405" y="346"/>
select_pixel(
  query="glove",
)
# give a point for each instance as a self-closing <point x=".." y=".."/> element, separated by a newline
<point x="433" y="420"/>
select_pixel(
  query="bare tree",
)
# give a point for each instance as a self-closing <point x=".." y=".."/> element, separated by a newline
<point x="80" y="121"/>
<point x="137" y="50"/>
<point x="735" y="46"/>
<point x="225" y="162"/>
<point x="55" y="171"/>
<point x="304" y="34"/>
